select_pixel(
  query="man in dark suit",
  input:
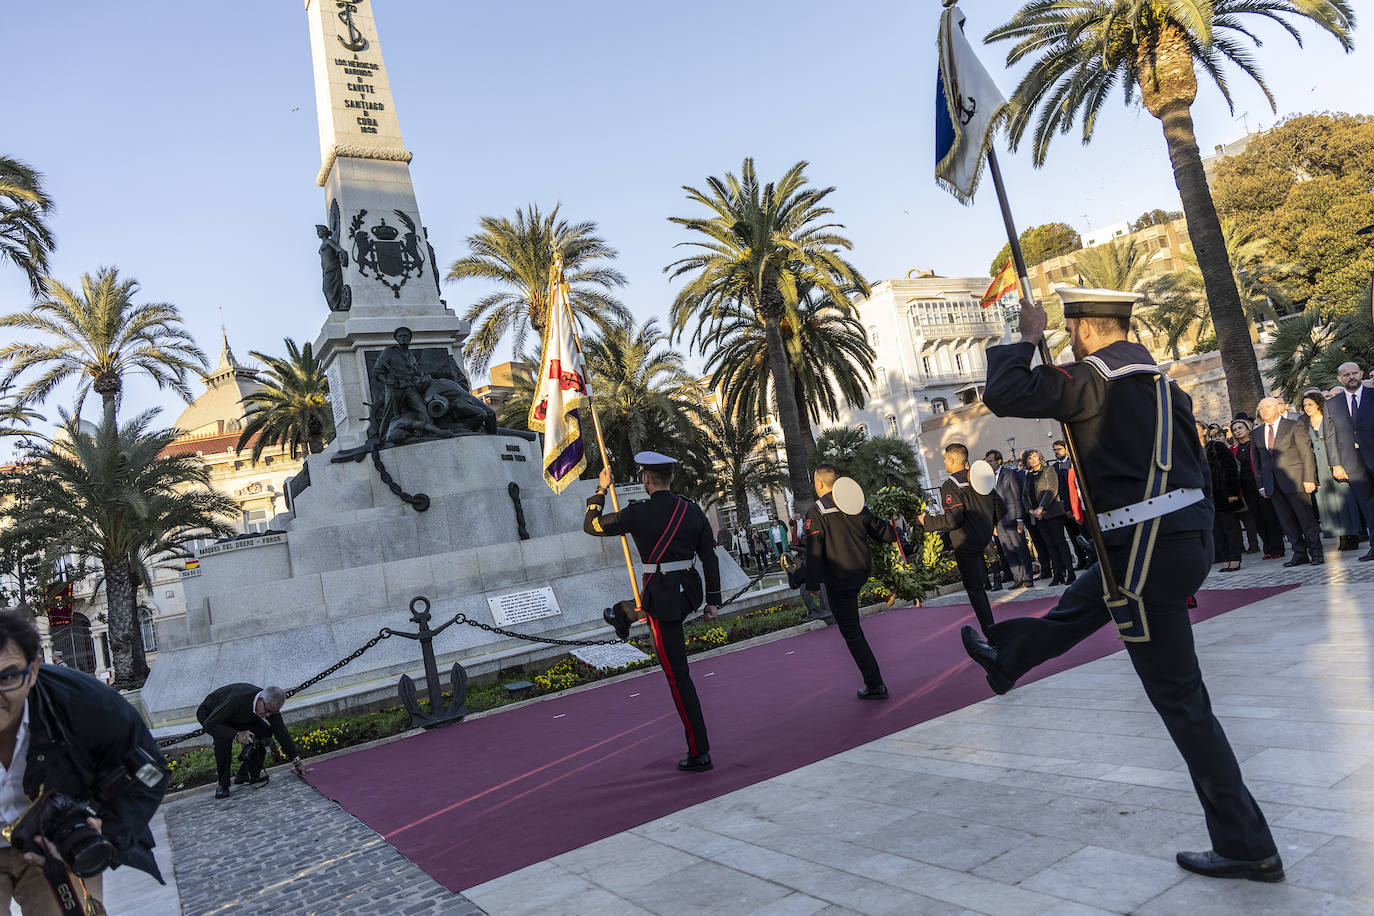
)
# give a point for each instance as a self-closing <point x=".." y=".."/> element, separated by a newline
<point x="1011" y="528"/>
<point x="1062" y="464"/>
<point x="1288" y="478"/>
<point x="244" y="712"/>
<point x="1349" y="434"/>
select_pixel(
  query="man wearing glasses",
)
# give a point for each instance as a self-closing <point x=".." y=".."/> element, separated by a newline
<point x="63" y="731"/>
<point x="244" y="713"/>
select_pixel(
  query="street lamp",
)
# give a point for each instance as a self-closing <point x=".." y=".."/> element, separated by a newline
<point x="1011" y="446"/>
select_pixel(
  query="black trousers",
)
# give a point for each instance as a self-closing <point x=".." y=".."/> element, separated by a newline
<point x="1072" y="529"/>
<point x="1168" y="670"/>
<point x="1014" y="552"/>
<point x="973" y="570"/>
<point x="671" y="647"/>
<point x="1299" y="523"/>
<point x="1363" y="489"/>
<point x="223" y="736"/>
<point x="1042" y="550"/>
<point x="1057" y="546"/>
<point x="1263" y="519"/>
<point x="1226" y="533"/>
<point x="844" y="604"/>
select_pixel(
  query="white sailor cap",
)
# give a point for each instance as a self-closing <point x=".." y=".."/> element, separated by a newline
<point x="1080" y="302"/>
<point x="654" y="461"/>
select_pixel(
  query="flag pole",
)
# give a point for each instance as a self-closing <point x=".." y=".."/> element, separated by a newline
<point x="562" y="293"/>
<point x="1028" y="295"/>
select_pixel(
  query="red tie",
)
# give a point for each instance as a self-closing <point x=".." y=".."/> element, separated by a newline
<point x="1270" y="434"/>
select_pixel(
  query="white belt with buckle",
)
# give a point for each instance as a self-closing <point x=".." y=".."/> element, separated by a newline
<point x="670" y="566"/>
<point x="1139" y="512"/>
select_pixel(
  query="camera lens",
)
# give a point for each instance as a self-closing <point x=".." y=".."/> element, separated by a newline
<point x="87" y="852"/>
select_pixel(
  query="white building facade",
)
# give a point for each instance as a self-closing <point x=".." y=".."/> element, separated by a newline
<point x="929" y="334"/>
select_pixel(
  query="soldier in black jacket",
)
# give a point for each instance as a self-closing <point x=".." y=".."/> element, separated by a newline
<point x="969" y="517"/>
<point x="837" y="554"/>
<point x="673" y="536"/>
<point x="1105" y="397"/>
<point x="244" y="712"/>
<point x="69" y="733"/>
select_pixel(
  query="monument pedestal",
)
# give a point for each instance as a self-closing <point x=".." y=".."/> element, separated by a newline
<point x="281" y="607"/>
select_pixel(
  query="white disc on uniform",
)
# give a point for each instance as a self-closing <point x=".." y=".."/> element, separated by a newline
<point x="982" y="477"/>
<point x="849" y="496"/>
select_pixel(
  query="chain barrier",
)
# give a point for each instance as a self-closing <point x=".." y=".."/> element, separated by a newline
<point x="419" y="501"/>
<point x="387" y="633"/>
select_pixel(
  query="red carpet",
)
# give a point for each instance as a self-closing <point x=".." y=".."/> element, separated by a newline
<point x="477" y="800"/>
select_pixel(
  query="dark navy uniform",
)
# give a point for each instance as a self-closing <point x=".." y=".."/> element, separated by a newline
<point x="837" y="554"/>
<point x="1110" y="400"/>
<point x="969" y="517"/>
<point x="676" y="530"/>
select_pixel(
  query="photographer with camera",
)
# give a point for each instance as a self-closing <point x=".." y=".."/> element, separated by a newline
<point x="251" y="716"/>
<point x="80" y="777"/>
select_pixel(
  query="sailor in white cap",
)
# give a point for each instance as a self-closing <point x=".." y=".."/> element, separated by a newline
<point x="1146" y="473"/>
<point x="673" y="538"/>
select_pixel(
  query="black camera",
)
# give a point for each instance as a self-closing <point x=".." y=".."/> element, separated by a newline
<point x="62" y="822"/>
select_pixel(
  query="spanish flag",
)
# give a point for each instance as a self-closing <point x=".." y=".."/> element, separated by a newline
<point x="1003" y="283"/>
<point x="562" y="392"/>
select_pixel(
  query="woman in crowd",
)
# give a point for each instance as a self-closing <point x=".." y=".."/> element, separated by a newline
<point x="1045" y="511"/>
<point x="1226" y="496"/>
<point x="1336" y="507"/>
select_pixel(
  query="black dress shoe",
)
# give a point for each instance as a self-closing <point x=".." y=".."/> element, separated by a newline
<point x="618" y="619"/>
<point x="698" y="764"/>
<point x="985" y="655"/>
<point x="1071" y="578"/>
<point x="1025" y="583"/>
<point x="874" y="693"/>
<point x="259" y="781"/>
<point x="1216" y="866"/>
<point x="1296" y="562"/>
<point x="1317" y="561"/>
<point x="1057" y="580"/>
<point x="1367" y="556"/>
<point x="222" y="792"/>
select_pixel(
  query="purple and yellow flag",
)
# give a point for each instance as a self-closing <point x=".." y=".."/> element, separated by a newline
<point x="562" y="391"/>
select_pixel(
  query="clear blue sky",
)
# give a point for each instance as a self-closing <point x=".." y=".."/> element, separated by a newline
<point x="180" y="141"/>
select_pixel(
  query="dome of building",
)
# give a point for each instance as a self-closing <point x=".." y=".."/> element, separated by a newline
<point x="220" y="409"/>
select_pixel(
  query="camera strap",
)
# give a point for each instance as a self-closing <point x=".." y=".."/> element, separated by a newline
<point x="69" y="891"/>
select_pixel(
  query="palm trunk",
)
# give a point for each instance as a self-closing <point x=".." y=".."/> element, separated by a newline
<point x="1168" y="85"/>
<point x="789" y="417"/>
<point x="119" y="595"/>
<point x="1238" y="361"/>
<point x="808" y="436"/>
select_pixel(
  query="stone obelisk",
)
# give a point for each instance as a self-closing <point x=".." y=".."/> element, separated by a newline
<point x="391" y="274"/>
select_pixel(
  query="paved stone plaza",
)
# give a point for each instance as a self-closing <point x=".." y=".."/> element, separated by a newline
<point x="1064" y="798"/>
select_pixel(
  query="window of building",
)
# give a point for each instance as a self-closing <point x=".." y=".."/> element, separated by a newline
<point x="926" y="366"/>
<point x="254" y="520"/>
<point x="892" y="430"/>
<point x="939" y="405"/>
<point x="959" y="362"/>
<point x="882" y="379"/>
<point x="873" y="335"/>
<point x="147" y="629"/>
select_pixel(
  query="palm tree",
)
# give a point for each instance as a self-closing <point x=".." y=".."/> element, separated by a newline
<point x="827" y="351"/>
<point x="1177" y="311"/>
<point x="16" y="419"/>
<point x="640" y="389"/>
<point x="874" y="461"/>
<point x="518" y="256"/>
<point x="1082" y="50"/>
<point x="109" y="497"/>
<point x="99" y="335"/>
<point x="839" y="446"/>
<point x="25" y="239"/>
<point x="292" y="406"/>
<point x="730" y="456"/>
<point x="1308" y="347"/>
<point x="764" y="244"/>
<point x="1115" y="265"/>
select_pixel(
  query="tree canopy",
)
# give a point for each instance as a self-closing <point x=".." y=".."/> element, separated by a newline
<point x="1306" y="186"/>
<point x="1155" y="217"/>
<point x="1040" y="243"/>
